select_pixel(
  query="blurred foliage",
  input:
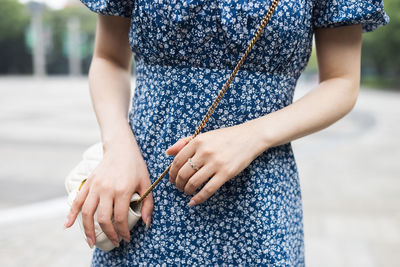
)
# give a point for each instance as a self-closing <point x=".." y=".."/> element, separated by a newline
<point x="312" y="66"/>
<point x="14" y="17"/>
<point x="57" y="59"/>
<point x="381" y="55"/>
<point x="380" y="52"/>
<point x="14" y="20"/>
<point x="15" y="35"/>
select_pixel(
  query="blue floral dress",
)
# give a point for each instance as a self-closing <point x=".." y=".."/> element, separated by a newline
<point x="185" y="50"/>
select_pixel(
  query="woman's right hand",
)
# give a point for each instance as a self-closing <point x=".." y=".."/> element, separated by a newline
<point x="109" y="188"/>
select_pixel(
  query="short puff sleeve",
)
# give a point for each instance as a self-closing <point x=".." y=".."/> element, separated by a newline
<point x="332" y="13"/>
<point x="121" y="8"/>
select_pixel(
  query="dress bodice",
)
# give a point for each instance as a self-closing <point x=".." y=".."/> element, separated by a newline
<point x="215" y="33"/>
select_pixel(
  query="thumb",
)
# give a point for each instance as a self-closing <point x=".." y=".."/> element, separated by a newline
<point x="175" y="148"/>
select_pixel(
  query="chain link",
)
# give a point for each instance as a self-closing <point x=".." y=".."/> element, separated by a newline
<point x="213" y="106"/>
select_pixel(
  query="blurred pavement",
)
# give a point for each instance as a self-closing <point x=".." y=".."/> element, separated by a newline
<point x="349" y="172"/>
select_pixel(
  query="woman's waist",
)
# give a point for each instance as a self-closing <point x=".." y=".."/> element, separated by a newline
<point x="209" y="79"/>
<point x="162" y="89"/>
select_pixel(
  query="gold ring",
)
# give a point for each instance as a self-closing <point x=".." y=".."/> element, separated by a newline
<point x="192" y="164"/>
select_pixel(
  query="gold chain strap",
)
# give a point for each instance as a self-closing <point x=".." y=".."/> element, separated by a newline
<point x="221" y="92"/>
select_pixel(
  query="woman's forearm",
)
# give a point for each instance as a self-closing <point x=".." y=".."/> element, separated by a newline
<point x="110" y="93"/>
<point x="339" y="57"/>
<point x="122" y="170"/>
<point x="319" y="108"/>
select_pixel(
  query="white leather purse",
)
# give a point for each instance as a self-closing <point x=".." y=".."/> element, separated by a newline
<point x="90" y="159"/>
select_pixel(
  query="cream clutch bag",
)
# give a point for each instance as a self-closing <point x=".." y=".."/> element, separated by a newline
<point x="90" y="159"/>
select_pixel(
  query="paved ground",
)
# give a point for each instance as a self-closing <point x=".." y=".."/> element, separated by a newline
<point x="350" y="177"/>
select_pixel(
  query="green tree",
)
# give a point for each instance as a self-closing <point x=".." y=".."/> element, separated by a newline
<point x="13" y="19"/>
<point x="14" y="55"/>
<point x="381" y="56"/>
<point x="57" y="59"/>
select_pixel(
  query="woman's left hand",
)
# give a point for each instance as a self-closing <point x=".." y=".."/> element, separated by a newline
<point x="219" y="154"/>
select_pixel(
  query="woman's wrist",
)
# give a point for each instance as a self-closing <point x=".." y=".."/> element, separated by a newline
<point x="256" y="140"/>
<point x="121" y="136"/>
<point x="260" y="131"/>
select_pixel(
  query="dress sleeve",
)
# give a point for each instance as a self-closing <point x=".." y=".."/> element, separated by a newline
<point x="122" y="8"/>
<point x="333" y="13"/>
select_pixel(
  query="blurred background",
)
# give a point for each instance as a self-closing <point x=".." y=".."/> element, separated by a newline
<point x="349" y="172"/>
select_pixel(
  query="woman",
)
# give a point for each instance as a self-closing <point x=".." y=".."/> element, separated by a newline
<point x="239" y="201"/>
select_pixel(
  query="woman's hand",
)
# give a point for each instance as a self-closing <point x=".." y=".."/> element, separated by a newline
<point x="219" y="154"/>
<point x="120" y="174"/>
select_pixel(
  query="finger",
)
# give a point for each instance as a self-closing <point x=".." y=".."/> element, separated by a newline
<point x="76" y="205"/>
<point x="200" y="177"/>
<point x="208" y="190"/>
<point x="182" y="157"/>
<point x="104" y="216"/>
<point x="175" y="148"/>
<point x="121" y="209"/>
<point x="88" y="210"/>
<point x="185" y="173"/>
<point x="147" y="204"/>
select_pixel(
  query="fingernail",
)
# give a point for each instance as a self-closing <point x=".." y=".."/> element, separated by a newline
<point x="191" y="203"/>
<point x="115" y="243"/>
<point x="148" y="224"/>
<point x="126" y="239"/>
<point x="66" y="223"/>
<point x="90" y="242"/>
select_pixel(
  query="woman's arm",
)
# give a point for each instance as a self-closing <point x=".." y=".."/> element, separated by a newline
<point x="122" y="170"/>
<point x="221" y="154"/>
<point x="339" y="56"/>
<point x="110" y="78"/>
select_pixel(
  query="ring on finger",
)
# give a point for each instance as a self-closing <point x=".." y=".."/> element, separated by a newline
<point x="193" y="165"/>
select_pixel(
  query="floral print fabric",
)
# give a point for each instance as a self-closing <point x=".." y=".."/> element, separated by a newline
<point x="185" y="50"/>
<point x="333" y="13"/>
